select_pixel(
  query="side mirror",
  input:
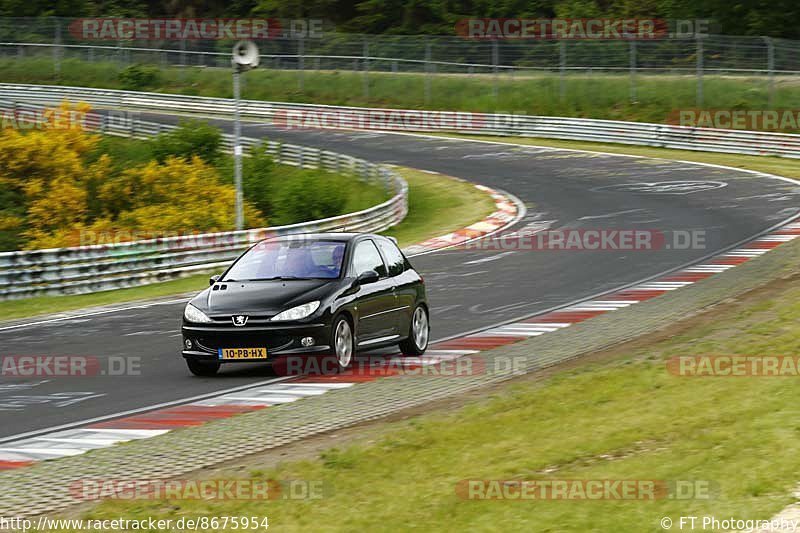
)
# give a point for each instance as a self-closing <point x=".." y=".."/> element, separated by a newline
<point x="370" y="276"/>
<point x="213" y="279"/>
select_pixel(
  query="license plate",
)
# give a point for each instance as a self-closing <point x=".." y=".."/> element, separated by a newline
<point x="242" y="353"/>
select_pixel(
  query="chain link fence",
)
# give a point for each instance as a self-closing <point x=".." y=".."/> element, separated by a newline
<point x="427" y="56"/>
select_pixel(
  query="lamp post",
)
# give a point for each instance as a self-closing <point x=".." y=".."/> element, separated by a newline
<point x="245" y="57"/>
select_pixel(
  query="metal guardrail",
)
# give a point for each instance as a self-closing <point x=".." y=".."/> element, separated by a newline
<point x="84" y="269"/>
<point x="323" y="116"/>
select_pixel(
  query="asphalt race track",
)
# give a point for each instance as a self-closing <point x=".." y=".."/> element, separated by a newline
<point x="468" y="289"/>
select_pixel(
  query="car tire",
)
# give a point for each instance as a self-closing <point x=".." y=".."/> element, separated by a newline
<point x="418" y="333"/>
<point x="202" y="368"/>
<point x="343" y="342"/>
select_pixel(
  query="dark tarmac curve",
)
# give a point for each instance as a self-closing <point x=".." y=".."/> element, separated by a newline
<point x="468" y="290"/>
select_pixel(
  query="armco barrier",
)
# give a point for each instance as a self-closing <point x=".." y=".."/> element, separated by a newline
<point x="103" y="267"/>
<point x="310" y="115"/>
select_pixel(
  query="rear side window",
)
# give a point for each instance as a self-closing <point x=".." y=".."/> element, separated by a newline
<point x="366" y="257"/>
<point x="394" y="258"/>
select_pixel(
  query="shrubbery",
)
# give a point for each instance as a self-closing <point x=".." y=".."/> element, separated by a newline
<point x="289" y="194"/>
<point x="191" y="138"/>
<point x="55" y="185"/>
<point x="59" y="182"/>
<point x="300" y="195"/>
<point x="138" y="77"/>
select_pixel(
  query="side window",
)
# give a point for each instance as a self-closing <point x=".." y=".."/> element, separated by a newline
<point x="366" y="257"/>
<point x="394" y="258"/>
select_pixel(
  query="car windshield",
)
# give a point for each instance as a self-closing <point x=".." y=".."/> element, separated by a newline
<point x="289" y="259"/>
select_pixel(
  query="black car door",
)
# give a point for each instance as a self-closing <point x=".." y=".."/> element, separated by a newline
<point x="375" y="302"/>
<point x="404" y="284"/>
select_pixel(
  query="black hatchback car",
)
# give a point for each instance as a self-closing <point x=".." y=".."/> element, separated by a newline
<point x="308" y="295"/>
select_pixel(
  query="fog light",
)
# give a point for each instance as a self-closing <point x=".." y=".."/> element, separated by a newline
<point x="307" y="341"/>
<point x="188" y="344"/>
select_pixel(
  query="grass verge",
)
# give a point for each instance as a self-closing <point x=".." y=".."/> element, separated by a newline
<point x="437" y="205"/>
<point x="621" y="416"/>
<point x="780" y="166"/>
<point x="586" y="95"/>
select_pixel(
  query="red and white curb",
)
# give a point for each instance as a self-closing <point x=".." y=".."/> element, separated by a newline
<point x="507" y="211"/>
<point x="152" y="423"/>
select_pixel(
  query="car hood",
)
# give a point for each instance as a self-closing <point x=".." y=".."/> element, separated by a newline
<point x="261" y="297"/>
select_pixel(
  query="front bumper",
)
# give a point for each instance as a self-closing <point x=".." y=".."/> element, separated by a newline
<point x="279" y="340"/>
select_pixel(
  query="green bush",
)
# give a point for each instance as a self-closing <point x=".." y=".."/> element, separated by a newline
<point x="138" y="77"/>
<point x="300" y="195"/>
<point x="258" y="172"/>
<point x="288" y="195"/>
<point x="191" y="138"/>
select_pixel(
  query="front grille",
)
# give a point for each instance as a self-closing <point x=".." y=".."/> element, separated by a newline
<point x="271" y="342"/>
<point x="252" y="320"/>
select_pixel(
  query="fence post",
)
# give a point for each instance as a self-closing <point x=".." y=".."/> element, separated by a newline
<point x="427" y="72"/>
<point x="699" y="42"/>
<point x="633" y="71"/>
<point x="495" y="61"/>
<point x="770" y="70"/>
<point x="562" y="68"/>
<point x="301" y="63"/>
<point x="57" y="48"/>
<point x="366" y="69"/>
<point x="183" y="53"/>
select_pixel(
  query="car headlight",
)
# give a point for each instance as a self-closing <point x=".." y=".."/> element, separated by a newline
<point x="296" y="313"/>
<point x="193" y="314"/>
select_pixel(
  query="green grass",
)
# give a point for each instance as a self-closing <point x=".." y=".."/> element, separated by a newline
<point x="587" y="95"/>
<point x="39" y="305"/>
<point x="780" y="166"/>
<point x="437" y="205"/>
<point x="622" y="417"/>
